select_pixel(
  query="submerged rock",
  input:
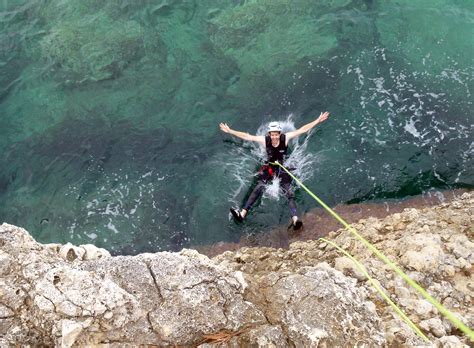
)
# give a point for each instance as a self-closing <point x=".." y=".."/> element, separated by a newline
<point x="275" y="42"/>
<point x="305" y="296"/>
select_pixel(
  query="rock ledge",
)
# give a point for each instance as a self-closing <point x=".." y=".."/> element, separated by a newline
<point x="308" y="295"/>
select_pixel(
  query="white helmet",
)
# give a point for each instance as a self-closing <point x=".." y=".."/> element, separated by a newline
<point x="274" y="127"/>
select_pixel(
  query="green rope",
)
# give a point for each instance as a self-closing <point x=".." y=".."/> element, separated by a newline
<point x="379" y="289"/>
<point x="450" y="316"/>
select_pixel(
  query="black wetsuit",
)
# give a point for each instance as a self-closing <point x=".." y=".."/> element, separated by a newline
<point x="268" y="172"/>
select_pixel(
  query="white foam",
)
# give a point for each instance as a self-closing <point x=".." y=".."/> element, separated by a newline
<point x="273" y="189"/>
<point x="437" y="176"/>
<point x="410" y="128"/>
<point x="118" y="188"/>
<point x="112" y="227"/>
<point x="111" y="210"/>
<point x="244" y="162"/>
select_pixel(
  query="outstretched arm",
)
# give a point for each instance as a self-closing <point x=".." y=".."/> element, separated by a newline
<point x="307" y="127"/>
<point x="245" y="136"/>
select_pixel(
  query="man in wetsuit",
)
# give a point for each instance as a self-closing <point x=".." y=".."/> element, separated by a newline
<point x="276" y="146"/>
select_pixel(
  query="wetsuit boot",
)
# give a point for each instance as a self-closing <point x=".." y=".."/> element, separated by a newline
<point x="236" y="214"/>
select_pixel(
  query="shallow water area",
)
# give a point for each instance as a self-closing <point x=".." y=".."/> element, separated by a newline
<point x="110" y="112"/>
<point x="318" y="223"/>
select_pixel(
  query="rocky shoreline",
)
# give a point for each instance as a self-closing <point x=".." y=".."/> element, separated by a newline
<point x="306" y="295"/>
<point x="318" y="223"/>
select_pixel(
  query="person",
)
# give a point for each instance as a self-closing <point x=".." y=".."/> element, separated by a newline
<point x="276" y="146"/>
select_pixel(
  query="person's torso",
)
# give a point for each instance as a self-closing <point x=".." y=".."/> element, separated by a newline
<point x="276" y="153"/>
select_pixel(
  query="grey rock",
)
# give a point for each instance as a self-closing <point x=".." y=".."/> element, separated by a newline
<point x="161" y="299"/>
<point x="265" y="336"/>
<point x="92" y="252"/>
<point x="451" y="342"/>
<point x="71" y="252"/>
<point x="435" y="325"/>
<point x="260" y="297"/>
<point x="319" y="306"/>
<point x="5" y="263"/>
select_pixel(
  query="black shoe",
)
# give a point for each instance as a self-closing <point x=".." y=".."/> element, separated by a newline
<point x="236" y="214"/>
<point x="296" y="225"/>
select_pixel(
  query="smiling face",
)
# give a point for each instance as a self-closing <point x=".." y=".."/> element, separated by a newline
<point x="275" y="137"/>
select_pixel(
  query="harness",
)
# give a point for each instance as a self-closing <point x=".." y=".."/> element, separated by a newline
<point x="274" y="154"/>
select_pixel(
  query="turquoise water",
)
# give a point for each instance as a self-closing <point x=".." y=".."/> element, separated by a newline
<point x="110" y="111"/>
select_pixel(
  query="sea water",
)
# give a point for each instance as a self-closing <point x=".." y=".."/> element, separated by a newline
<point x="110" y="111"/>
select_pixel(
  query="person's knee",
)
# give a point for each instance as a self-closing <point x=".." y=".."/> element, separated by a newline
<point x="259" y="189"/>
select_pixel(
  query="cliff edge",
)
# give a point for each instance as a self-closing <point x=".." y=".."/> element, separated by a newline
<point x="308" y="295"/>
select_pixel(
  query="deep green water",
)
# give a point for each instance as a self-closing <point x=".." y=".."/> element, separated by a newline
<point x="110" y="110"/>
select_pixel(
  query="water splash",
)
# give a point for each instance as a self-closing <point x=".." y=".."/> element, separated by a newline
<point x="247" y="158"/>
<point x="272" y="190"/>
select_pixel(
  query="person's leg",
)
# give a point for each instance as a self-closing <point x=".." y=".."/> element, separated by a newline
<point x="257" y="191"/>
<point x="290" y="195"/>
<point x="256" y="194"/>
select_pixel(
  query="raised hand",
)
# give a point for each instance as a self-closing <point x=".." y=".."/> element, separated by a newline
<point x="224" y="127"/>
<point x="323" y="117"/>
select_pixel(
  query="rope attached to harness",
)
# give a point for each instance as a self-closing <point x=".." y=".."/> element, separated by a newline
<point x="443" y="310"/>
<point x="379" y="289"/>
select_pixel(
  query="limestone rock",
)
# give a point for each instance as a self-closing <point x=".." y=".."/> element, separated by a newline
<point x="65" y="295"/>
<point x="69" y="332"/>
<point x="451" y="342"/>
<point x="92" y="252"/>
<point x="71" y="252"/>
<point x="319" y="306"/>
<point x="435" y="325"/>
<point x="265" y="336"/>
<point x="348" y="267"/>
<point x="162" y="299"/>
<point x="424" y="252"/>
<point x="5" y="263"/>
